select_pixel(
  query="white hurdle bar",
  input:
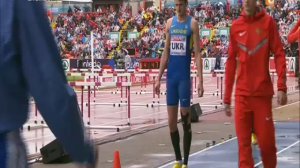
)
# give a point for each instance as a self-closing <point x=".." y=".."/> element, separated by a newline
<point x="34" y="126"/>
<point x="117" y="128"/>
<point x="120" y="79"/>
<point x="142" y="77"/>
<point x="212" y="93"/>
<point x="105" y="84"/>
<point x="216" y="106"/>
<point x="89" y="85"/>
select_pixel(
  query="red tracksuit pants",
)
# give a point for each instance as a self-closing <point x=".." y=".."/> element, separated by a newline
<point x="255" y="113"/>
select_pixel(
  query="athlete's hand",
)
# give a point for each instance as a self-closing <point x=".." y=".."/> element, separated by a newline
<point x="200" y="89"/>
<point x="157" y="87"/>
<point x="281" y="98"/>
<point x="227" y="110"/>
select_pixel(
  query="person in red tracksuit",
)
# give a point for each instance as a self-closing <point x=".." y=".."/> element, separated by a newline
<point x="294" y="35"/>
<point x="253" y="37"/>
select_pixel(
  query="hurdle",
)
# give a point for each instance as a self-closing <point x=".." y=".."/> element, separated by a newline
<point x="120" y="78"/>
<point x="82" y="85"/>
<point x="132" y="104"/>
<point x="107" y="77"/>
<point x="105" y="84"/>
<point x="154" y="75"/>
<point x="213" y="93"/>
<point x="215" y="106"/>
<point x="95" y="78"/>
<point x="142" y="77"/>
<point x="127" y="85"/>
<point x="124" y="74"/>
<point x="116" y="128"/>
<point x="89" y="85"/>
<point x="35" y="124"/>
<point x="219" y="74"/>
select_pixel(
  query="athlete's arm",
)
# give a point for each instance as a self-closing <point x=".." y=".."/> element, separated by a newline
<point x="294" y="34"/>
<point x="280" y="63"/>
<point x="198" y="56"/>
<point x="279" y="56"/>
<point x="166" y="54"/>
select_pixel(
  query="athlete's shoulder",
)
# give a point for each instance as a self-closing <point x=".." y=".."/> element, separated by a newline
<point x="238" y="22"/>
<point x="194" y="24"/>
<point x="169" y="23"/>
<point x="193" y="20"/>
<point x="170" y="20"/>
<point x="238" y="25"/>
<point x="264" y="17"/>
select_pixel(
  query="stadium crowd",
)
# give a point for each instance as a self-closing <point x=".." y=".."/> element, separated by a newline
<point x="73" y="30"/>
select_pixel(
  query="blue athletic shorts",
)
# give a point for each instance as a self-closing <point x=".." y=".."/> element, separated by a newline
<point x="12" y="151"/>
<point x="178" y="91"/>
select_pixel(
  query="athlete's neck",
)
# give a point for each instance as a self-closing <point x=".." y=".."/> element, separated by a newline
<point x="182" y="18"/>
<point x="252" y="13"/>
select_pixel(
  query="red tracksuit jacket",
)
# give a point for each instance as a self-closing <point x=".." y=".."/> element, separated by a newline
<point x="295" y="33"/>
<point x="251" y="41"/>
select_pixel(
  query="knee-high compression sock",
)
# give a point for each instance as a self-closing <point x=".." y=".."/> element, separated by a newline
<point x="187" y="137"/>
<point x="175" y="141"/>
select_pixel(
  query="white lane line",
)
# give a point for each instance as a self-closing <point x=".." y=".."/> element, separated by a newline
<point x="286" y="105"/>
<point x="201" y="151"/>
<point x="259" y="163"/>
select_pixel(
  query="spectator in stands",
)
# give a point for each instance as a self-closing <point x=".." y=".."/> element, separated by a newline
<point x="30" y="65"/>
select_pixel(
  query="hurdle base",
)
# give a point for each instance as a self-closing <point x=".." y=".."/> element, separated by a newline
<point x="33" y="126"/>
<point x="157" y="104"/>
<point x="117" y="128"/>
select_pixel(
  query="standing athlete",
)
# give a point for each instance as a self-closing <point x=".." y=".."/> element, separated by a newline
<point x="253" y="36"/>
<point x="182" y="35"/>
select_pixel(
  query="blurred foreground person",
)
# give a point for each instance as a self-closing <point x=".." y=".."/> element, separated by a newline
<point x="30" y="64"/>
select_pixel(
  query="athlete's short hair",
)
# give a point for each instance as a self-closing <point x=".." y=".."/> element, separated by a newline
<point x="186" y="1"/>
